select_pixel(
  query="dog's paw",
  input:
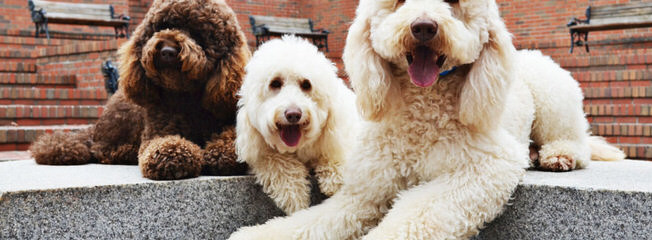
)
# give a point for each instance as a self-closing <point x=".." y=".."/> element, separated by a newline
<point x="169" y="158"/>
<point x="559" y="163"/>
<point x="220" y="159"/>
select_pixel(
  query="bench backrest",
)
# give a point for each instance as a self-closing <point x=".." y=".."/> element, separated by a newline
<point x="622" y="13"/>
<point x="75" y="10"/>
<point x="282" y="24"/>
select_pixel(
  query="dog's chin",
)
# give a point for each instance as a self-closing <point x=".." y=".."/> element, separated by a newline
<point x="424" y="65"/>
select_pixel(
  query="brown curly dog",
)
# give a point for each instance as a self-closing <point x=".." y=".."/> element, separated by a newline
<point x="174" y="112"/>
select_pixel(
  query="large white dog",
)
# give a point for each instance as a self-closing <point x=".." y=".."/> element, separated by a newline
<point x="294" y="115"/>
<point x="452" y="107"/>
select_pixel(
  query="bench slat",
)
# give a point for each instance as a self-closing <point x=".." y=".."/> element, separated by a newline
<point x="84" y="6"/>
<point x="623" y="20"/>
<point x="622" y="12"/>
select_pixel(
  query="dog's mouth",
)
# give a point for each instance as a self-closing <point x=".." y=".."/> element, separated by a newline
<point x="290" y="133"/>
<point x="424" y="65"/>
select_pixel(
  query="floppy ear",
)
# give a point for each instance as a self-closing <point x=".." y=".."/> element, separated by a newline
<point x="483" y="95"/>
<point x="220" y="94"/>
<point x="133" y="81"/>
<point x="248" y="141"/>
<point x="369" y="74"/>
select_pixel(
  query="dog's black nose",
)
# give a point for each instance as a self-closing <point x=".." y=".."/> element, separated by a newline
<point x="293" y="114"/>
<point x="168" y="55"/>
<point x="423" y="30"/>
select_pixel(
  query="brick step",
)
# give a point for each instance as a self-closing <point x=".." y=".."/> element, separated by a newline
<point x="617" y="92"/>
<point x="25" y="42"/>
<point x="18" y="67"/>
<point x="607" y="45"/>
<point x="31" y="115"/>
<point x="623" y="129"/>
<point x="37" y="80"/>
<point x="80" y="47"/>
<point x="52" y="96"/>
<point x="637" y="151"/>
<point x="8" y="53"/>
<point x="642" y="48"/>
<point x="613" y="75"/>
<point x="606" y="62"/>
<point x="16" y="138"/>
<point x="618" y="109"/>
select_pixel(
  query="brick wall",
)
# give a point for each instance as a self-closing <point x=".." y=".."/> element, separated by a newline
<point x="541" y="24"/>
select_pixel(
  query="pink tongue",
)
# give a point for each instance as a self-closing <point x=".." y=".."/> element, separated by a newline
<point x="290" y="135"/>
<point x="423" y="70"/>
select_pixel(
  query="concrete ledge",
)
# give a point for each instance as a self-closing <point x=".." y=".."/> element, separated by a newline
<point x="608" y="200"/>
<point x="115" y="202"/>
<point x="605" y="201"/>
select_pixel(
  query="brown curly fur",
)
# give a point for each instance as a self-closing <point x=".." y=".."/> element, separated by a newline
<point x="175" y="110"/>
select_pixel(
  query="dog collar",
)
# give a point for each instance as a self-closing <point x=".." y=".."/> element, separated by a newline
<point x="444" y="73"/>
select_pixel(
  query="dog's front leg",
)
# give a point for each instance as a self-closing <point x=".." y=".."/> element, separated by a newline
<point x="329" y="176"/>
<point x="458" y="202"/>
<point x="284" y="179"/>
<point x="370" y="183"/>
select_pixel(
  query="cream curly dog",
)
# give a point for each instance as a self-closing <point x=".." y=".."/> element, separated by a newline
<point x="294" y="115"/>
<point x="451" y="107"/>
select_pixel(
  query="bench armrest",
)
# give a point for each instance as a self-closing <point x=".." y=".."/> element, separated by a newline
<point x="121" y="16"/>
<point x="321" y="30"/>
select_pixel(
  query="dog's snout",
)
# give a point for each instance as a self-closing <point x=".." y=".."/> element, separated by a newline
<point x="293" y="114"/>
<point x="423" y="30"/>
<point x="168" y="54"/>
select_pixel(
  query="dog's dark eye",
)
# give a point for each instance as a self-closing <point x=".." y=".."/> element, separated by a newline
<point x="276" y="83"/>
<point x="305" y="85"/>
<point x="451" y="1"/>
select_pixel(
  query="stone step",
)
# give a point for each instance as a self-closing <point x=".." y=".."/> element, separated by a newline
<point x="608" y="200"/>
<point x="14" y="138"/>
<point x="37" y="80"/>
<point x="51" y="96"/>
<point x="115" y="201"/>
<point x="33" y="115"/>
<point x="18" y="67"/>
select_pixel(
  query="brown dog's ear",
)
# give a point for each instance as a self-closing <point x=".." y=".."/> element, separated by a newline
<point x="133" y="81"/>
<point x="369" y="74"/>
<point x="220" y="95"/>
<point x="483" y="95"/>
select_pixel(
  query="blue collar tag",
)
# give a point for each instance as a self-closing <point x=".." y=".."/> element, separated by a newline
<point x="444" y="73"/>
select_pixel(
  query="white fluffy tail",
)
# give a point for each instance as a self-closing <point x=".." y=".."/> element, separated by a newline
<point x="601" y="150"/>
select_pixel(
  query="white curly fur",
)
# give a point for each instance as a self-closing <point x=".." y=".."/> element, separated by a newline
<point x="329" y="119"/>
<point x="439" y="162"/>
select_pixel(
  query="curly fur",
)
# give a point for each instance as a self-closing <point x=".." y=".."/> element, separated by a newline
<point x="165" y="114"/>
<point x="440" y="161"/>
<point x="328" y="121"/>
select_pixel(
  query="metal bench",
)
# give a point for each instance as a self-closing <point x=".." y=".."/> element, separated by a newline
<point x="610" y="17"/>
<point x="264" y="27"/>
<point x="45" y="12"/>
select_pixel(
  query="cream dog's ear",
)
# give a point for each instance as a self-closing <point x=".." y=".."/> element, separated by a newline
<point x="369" y="74"/>
<point x="248" y="142"/>
<point x="483" y="96"/>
